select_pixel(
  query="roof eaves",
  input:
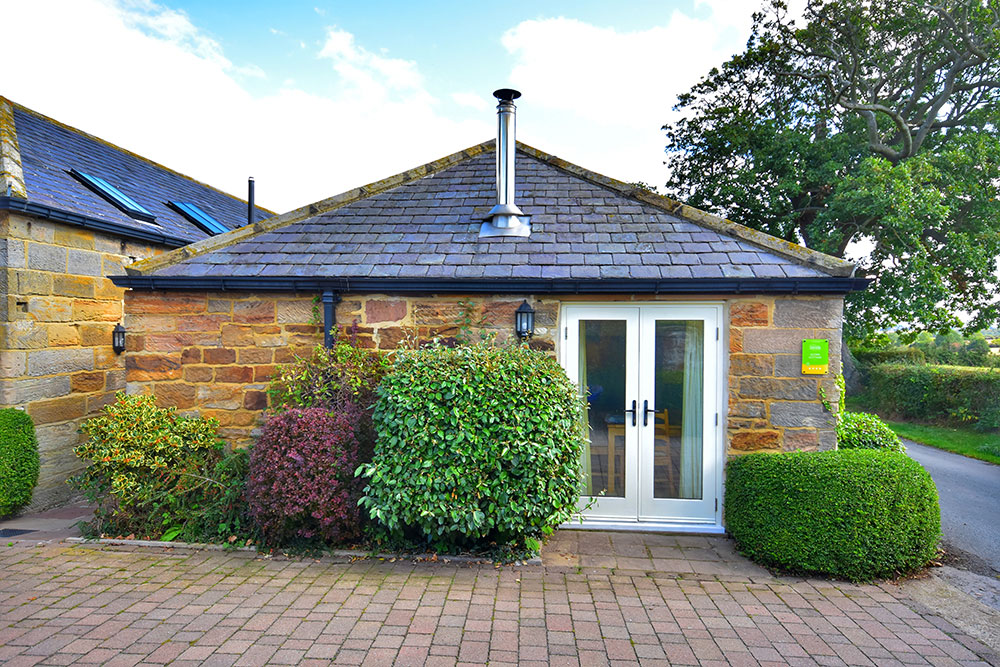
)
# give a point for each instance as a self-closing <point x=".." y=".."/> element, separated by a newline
<point x="798" y="254"/>
<point x="323" y="206"/>
<point x="46" y="212"/>
<point x="713" y="286"/>
<point x="11" y="173"/>
<point x="153" y="163"/>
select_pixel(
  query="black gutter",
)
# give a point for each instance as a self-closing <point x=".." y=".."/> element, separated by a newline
<point x="831" y="285"/>
<point x="70" y="218"/>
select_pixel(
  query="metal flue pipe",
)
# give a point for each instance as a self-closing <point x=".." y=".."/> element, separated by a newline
<point x="506" y="219"/>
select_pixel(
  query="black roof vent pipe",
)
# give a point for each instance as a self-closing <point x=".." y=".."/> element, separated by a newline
<point x="250" y="206"/>
<point x="505" y="219"/>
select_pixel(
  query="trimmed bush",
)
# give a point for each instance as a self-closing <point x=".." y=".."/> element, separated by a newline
<point x="860" y="430"/>
<point x="477" y="447"/>
<point x="893" y="355"/>
<point x="156" y="474"/>
<point x="18" y="460"/>
<point x="302" y="484"/>
<point x="856" y="514"/>
<point x="955" y="394"/>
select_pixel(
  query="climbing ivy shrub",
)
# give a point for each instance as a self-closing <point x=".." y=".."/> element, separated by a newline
<point x="477" y="447"/>
<point x="18" y="460"/>
<point x="854" y="513"/>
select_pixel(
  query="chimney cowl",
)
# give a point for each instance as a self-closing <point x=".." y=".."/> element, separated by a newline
<point x="505" y="219"/>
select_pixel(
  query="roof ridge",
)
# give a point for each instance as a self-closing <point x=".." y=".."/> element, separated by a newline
<point x="128" y="152"/>
<point x="793" y="251"/>
<point x="11" y="172"/>
<point x="246" y="232"/>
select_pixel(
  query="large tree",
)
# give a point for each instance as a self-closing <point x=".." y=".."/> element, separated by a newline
<point x="865" y="128"/>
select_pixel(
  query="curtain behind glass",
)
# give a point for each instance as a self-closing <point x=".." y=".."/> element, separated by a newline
<point x="691" y="429"/>
<point x="588" y="483"/>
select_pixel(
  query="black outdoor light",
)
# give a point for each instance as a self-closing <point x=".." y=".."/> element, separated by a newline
<point x="118" y="339"/>
<point x="524" y="321"/>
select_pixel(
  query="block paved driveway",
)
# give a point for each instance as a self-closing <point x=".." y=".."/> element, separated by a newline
<point x="599" y="599"/>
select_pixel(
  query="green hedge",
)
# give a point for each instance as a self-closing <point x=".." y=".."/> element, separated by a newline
<point x="18" y="460"/>
<point x="894" y="355"/>
<point x="954" y="394"/>
<point x="860" y="430"/>
<point x="477" y="448"/>
<point x="857" y="514"/>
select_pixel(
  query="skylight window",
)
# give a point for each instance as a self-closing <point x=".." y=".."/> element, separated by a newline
<point x="198" y="217"/>
<point x="115" y="196"/>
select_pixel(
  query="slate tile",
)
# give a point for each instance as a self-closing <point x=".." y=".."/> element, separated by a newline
<point x="429" y="228"/>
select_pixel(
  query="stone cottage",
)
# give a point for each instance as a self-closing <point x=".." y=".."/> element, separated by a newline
<point x="73" y="210"/>
<point x="685" y="331"/>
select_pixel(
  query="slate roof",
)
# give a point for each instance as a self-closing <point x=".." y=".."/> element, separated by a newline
<point x="424" y="224"/>
<point x="49" y="149"/>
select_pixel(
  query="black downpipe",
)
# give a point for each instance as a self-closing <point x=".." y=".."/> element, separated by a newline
<point x="330" y="301"/>
<point x="250" y="205"/>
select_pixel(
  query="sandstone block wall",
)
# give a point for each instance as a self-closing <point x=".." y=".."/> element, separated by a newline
<point x="772" y="405"/>
<point x="386" y="322"/>
<point x="57" y="312"/>
<point x="213" y="354"/>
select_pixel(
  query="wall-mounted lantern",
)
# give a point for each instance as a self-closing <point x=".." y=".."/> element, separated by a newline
<point x="524" y="321"/>
<point x="118" y="339"/>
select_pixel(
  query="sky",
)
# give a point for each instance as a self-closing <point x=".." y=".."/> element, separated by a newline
<point x="315" y="98"/>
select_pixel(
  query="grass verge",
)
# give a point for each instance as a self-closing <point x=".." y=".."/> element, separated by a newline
<point x="976" y="445"/>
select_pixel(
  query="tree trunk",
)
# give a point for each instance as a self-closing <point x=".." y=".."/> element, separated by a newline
<point x="853" y="380"/>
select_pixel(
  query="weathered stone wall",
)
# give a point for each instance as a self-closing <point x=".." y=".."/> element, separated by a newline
<point x="58" y="311"/>
<point x="214" y="353"/>
<point x="387" y="322"/>
<point x="772" y="405"/>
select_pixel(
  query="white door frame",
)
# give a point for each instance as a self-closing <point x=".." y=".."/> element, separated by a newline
<point x="633" y="512"/>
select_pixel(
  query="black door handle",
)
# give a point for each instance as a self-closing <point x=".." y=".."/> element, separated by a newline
<point x="645" y="413"/>
<point x="632" y="411"/>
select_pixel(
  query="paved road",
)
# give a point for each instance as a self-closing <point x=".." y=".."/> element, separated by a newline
<point x="970" y="500"/>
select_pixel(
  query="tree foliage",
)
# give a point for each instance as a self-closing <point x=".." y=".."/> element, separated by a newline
<point x="863" y="130"/>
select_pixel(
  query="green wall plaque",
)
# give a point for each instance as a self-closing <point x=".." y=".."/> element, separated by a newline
<point x="815" y="356"/>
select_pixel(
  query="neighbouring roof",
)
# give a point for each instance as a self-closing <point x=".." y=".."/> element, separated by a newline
<point x="421" y="228"/>
<point x="37" y="154"/>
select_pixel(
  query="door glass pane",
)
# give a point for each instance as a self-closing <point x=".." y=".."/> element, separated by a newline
<point x="677" y="430"/>
<point x="602" y="379"/>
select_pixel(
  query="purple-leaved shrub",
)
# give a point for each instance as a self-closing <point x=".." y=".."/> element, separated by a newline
<point x="302" y="483"/>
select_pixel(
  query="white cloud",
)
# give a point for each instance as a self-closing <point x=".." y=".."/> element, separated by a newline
<point x="612" y="90"/>
<point x="144" y="77"/>
<point x="173" y="26"/>
<point x="471" y="100"/>
<point x="367" y="71"/>
<point x="251" y="71"/>
<point x="147" y="78"/>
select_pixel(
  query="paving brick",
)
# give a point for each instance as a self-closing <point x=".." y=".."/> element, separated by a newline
<point x="194" y="611"/>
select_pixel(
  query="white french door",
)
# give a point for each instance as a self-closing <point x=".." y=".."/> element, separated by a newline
<point x="651" y="378"/>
